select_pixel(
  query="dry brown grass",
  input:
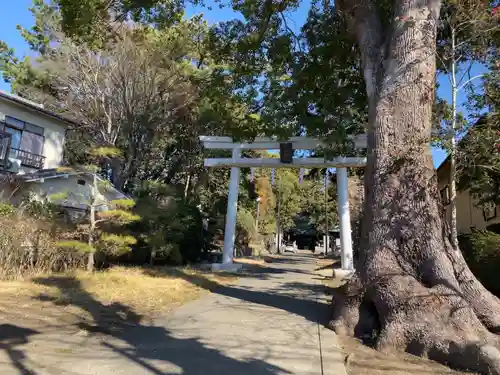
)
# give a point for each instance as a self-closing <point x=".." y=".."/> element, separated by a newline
<point x="252" y="261"/>
<point x="140" y="292"/>
<point x="149" y="291"/>
<point x="27" y="247"/>
<point x="363" y="360"/>
<point x="260" y="261"/>
<point x="326" y="262"/>
<point x="325" y="267"/>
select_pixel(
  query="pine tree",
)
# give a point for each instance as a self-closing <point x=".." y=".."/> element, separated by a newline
<point x="101" y="231"/>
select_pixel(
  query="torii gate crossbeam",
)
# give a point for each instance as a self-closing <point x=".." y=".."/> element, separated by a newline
<point x="298" y="143"/>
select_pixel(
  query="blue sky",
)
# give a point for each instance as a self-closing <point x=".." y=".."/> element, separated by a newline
<point x="16" y="12"/>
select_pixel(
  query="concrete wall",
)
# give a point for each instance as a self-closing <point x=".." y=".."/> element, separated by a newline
<point x="468" y="214"/>
<point x="54" y="131"/>
<point x="6" y="190"/>
<point x="76" y="194"/>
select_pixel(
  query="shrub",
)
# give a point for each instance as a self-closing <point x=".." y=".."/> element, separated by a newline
<point x="7" y="210"/>
<point x="481" y="250"/>
<point x="37" y="209"/>
<point x="78" y="246"/>
<point x="28" y="247"/>
<point x="170" y="230"/>
<point x="245" y="224"/>
<point x="116" y="244"/>
<point x="170" y="253"/>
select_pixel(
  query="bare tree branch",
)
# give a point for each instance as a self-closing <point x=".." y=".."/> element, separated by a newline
<point x="128" y="96"/>
<point x="469" y="81"/>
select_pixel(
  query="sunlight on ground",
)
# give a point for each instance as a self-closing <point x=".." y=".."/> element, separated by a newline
<point x="257" y="261"/>
<point x="140" y="292"/>
<point x="251" y="261"/>
<point x="324" y="261"/>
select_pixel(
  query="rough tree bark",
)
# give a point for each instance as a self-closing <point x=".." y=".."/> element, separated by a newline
<point x="412" y="287"/>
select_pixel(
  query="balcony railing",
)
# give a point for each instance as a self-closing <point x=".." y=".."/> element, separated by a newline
<point x="27" y="158"/>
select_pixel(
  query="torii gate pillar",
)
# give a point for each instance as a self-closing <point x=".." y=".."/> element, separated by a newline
<point x="346" y="257"/>
<point x="230" y="227"/>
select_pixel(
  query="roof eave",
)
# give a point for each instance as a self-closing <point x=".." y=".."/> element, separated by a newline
<point x="32" y="106"/>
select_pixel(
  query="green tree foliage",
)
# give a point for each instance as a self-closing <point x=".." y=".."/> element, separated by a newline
<point x="301" y="78"/>
<point x="146" y="90"/>
<point x="479" y="158"/>
<point x="466" y="38"/>
<point x="20" y="72"/>
<point x="479" y="152"/>
<point x="244" y="77"/>
<point x="481" y="252"/>
<point x="130" y="96"/>
<point x="468" y="32"/>
<point x="288" y="196"/>
<point x="245" y="226"/>
<point x="184" y="94"/>
<point x="296" y="201"/>
<point x="264" y="61"/>
<point x="170" y="229"/>
<point x="321" y="214"/>
<point x="88" y="19"/>
<point x="101" y="232"/>
<point x="295" y="79"/>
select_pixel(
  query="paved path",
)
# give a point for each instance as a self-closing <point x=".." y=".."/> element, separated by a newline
<point x="269" y="323"/>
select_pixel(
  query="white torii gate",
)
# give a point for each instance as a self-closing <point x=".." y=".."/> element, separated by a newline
<point x="298" y="143"/>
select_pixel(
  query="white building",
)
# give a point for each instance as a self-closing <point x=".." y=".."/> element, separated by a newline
<point x="32" y="137"/>
<point x="31" y="151"/>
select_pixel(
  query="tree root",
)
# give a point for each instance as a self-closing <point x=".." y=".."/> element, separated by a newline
<point x="485" y="304"/>
<point x="436" y="322"/>
<point x="354" y="315"/>
<point x="346" y="301"/>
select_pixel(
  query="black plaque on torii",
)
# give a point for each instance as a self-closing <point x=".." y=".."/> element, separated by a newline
<point x="286" y="153"/>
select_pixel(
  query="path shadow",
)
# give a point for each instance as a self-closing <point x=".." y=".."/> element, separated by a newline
<point x="265" y="272"/>
<point x="333" y="266"/>
<point x="288" y="258"/>
<point x="309" y="308"/>
<point x="12" y="336"/>
<point x="315" y="288"/>
<point x="256" y="271"/>
<point x="151" y="347"/>
<point x="312" y="310"/>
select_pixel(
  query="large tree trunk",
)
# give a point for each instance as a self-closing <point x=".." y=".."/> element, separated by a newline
<point x="412" y="287"/>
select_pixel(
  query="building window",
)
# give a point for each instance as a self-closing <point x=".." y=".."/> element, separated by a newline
<point x="14" y="122"/>
<point x="15" y="136"/>
<point x="32" y="142"/>
<point x="489" y="211"/>
<point x="445" y="195"/>
<point x="27" y="141"/>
